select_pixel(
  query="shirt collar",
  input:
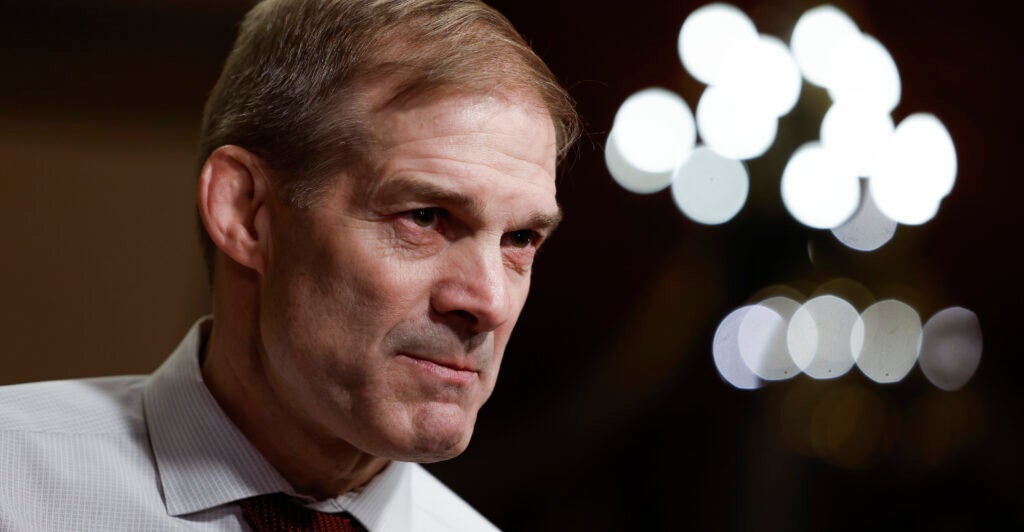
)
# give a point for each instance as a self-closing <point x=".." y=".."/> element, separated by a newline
<point x="204" y="460"/>
<point x="382" y="505"/>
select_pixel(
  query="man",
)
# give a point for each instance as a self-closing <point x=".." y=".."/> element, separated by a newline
<point x="376" y="179"/>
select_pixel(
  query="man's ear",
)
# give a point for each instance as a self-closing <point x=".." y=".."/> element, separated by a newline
<point x="233" y="203"/>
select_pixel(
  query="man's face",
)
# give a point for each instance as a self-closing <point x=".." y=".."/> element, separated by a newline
<point x="386" y="307"/>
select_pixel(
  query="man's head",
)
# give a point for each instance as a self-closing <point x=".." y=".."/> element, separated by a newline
<point x="294" y="89"/>
<point x="378" y="176"/>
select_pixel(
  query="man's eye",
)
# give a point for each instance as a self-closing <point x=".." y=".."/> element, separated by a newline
<point x="521" y="239"/>
<point x="425" y="217"/>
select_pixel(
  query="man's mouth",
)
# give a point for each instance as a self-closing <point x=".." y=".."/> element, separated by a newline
<point x="451" y="371"/>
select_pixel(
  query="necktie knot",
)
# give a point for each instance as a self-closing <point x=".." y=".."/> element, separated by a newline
<point x="276" y="512"/>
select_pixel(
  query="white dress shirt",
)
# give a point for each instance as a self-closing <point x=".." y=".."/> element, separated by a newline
<point x="157" y="452"/>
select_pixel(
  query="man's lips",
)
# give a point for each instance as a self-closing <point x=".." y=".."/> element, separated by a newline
<point x="456" y="371"/>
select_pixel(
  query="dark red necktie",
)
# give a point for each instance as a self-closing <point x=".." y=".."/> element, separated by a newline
<point x="276" y="512"/>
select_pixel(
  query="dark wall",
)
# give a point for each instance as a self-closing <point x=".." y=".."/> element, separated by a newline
<point x="609" y="413"/>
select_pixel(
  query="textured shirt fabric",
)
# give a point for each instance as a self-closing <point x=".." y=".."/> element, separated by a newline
<point x="157" y="453"/>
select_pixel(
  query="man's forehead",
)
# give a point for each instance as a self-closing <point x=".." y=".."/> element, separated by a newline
<point x="439" y="104"/>
<point x="513" y="125"/>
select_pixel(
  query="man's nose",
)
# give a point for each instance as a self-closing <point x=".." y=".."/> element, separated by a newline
<point x="473" y="289"/>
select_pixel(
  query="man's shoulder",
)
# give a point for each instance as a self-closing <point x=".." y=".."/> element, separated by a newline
<point x="103" y="405"/>
<point x="75" y="454"/>
<point x="441" y="507"/>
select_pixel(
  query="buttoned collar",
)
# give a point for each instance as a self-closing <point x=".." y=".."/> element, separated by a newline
<point x="205" y="461"/>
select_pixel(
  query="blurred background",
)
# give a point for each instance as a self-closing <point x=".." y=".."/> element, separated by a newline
<point x="610" y="412"/>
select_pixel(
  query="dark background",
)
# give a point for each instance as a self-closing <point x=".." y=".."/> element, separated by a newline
<point x="609" y="413"/>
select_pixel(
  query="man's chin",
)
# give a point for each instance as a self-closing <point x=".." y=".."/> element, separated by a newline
<point x="426" y="451"/>
<point x="437" y="435"/>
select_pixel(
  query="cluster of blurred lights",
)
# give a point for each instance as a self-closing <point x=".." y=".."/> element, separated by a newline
<point x="823" y="337"/>
<point x="752" y="80"/>
<point x="863" y="177"/>
<point x="909" y="168"/>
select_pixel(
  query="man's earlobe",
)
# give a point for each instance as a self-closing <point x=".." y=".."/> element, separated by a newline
<point x="233" y="194"/>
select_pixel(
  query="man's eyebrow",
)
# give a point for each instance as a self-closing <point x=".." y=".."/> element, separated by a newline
<point x="546" y="222"/>
<point x="426" y="191"/>
<point x="430" y="192"/>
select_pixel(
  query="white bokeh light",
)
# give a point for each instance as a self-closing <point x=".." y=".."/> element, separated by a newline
<point x="630" y="177"/>
<point x="925" y="134"/>
<point x="726" y="352"/>
<point x="915" y="169"/>
<point x="762" y="74"/>
<point x="886" y="340"/>
<point x="710" y="188"/>
<point x="816" y="36"/>
<point x="817" y="190"/>
<point x="819" y="337"/>
<point x="762" y="339"/>
<point x="901" y="201"/>
<point x="868" y="229"/>
<point x="708" y="35"/>
<point x="855" y="135"/>
<point x="654" y="130"/>
<point x="862" y="72"/>
<point x="735" y="130"/>
<point x="951" y="348"/>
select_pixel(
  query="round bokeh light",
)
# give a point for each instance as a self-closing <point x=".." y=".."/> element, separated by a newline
<point x="654" y="130"/>
<point x="709" y="188"/>
<point x="630" y="177"/>
<point x="708" y="35"/>
<point x="819" y="337"/>
<point x="855" y="135"/>
<point x="816" y="36"/>
<point x="900" y="201"/>
<point x="818" y="191"/>
<point x="886" y="339"/>
<point x="915" y="169"/>
<point x="924" y="134"/>
<point x="951" y="348"/>
<point x="762" y="339"/>
<point x="868" y="229"/>
<point x="863" y="73"/>
<point x="762" y="74"/>
<point x="732" y="128"/>
<point x="726" y="351"/>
